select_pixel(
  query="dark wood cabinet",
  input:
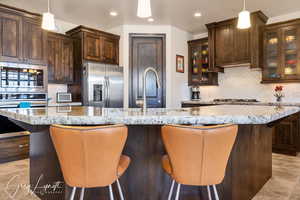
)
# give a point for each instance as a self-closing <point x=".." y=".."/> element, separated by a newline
<point x="281" y="56"/>
<point x="92" y="47"/>
<point x="60" y="58"/>
<point x="14" y="148"/>
<point x="97" y="46"/>
<point x="286" y="135"/>
<point x="199" y="71"/>
<point x="22" y="39"/>
<point x="10" y="37"/>
<point x="34" y="42"/>
<point x="110" y="50"/>
<point x="230" y="46"/>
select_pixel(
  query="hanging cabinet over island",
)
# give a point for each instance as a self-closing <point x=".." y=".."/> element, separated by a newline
<point x="230" y="46"/>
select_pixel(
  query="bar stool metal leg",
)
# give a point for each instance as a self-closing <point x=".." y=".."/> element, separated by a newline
<point x="178" y="191"/>
<point x="171" y="190"/>
<point x="82" y="193"/>
<point x="111" y="195"/>
<point x="120" y="190"/>
<point x="73" y="193"/>
<point x="216" y="192"/>
<point x="209" y="193"/>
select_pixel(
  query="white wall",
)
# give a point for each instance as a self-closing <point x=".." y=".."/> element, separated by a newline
<point x="242" y="82"/>
<point x="176" y="43"/>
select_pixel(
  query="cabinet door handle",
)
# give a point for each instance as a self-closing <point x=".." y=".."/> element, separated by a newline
<point x="23" y="145"/>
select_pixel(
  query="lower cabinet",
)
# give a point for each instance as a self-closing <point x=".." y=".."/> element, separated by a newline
<point x="14" y="148"/>
<point x="286" y="138"/>
<point x="60" y="59"/>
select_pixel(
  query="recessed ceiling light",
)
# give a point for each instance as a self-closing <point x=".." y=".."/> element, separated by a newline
<point x="150" y="20"/>
<point x="197" y="14"/>
<point x="113" y="13"/>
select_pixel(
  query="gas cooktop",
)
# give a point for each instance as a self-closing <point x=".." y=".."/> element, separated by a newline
<point x="235" y="100"/>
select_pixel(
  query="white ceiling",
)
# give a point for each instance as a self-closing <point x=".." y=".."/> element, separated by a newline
<point x="179" y="13"/>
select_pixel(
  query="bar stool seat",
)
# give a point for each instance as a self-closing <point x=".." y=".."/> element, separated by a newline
<point x="91" y="157"/>
<point x="123" y="164"/>
<point x="197" y="156"/>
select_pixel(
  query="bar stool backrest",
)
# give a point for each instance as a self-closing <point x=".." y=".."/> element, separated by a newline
<point x="199" y="155"/>
<point x="89" y="156"/>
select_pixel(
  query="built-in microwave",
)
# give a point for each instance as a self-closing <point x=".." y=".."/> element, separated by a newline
<point x="23" y="78"/>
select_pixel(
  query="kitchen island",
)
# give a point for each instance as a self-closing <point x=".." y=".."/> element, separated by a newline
<point x="249" y="167"/>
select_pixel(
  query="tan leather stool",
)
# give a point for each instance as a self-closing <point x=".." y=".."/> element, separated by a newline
<point x="197" y="156"/>
<point x="91" y="156"/>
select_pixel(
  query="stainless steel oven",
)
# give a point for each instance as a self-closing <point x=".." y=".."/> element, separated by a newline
<point x="21" y="78"/>
<point x="23" y="83"/>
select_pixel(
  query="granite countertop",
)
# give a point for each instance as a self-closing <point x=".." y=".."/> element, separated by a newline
<point x="260" y="103"/>
<point x="81" y="115"/>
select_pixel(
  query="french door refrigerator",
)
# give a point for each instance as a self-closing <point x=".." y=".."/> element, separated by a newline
<point x="103" y="85"/>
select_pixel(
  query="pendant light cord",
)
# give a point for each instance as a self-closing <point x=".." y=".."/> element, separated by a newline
<point x="244" y="4"/>
<point x="48" y="6"/>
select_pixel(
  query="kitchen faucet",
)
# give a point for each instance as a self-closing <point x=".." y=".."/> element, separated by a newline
<point x="144" y="84"/>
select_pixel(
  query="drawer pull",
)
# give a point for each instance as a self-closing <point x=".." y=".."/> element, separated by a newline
<point x="23" y="145"/>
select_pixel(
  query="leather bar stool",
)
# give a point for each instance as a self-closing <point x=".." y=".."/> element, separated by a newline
<point x="91" y="156"/>
<point x="197" y="156"/>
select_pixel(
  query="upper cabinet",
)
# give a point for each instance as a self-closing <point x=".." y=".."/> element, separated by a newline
<point x="230" y="46"/>
<point x="10" y="37"/>
<point x="60" y="58"/>
<point x="199" y="72"/>
<point x="95" y="45"/>
<point x="22" y="39"/>
<point x="281" y="52"/>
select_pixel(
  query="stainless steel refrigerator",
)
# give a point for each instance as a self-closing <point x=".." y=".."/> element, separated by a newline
<point x="103" y="85"/>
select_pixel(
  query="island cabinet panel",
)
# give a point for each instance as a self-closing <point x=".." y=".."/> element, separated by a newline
<point x="34" y="42"/>
<point x="281" y="56"/>
<point x="249" y="166"/>
<point x="10" y="37"/>
<point x="286" y="136"/>
<point x="230" y="46"/>
<point x="22" y="39"/>
<point x="60" y="58"/>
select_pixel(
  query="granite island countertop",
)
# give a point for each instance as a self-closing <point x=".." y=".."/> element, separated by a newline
<point x="81" y="115"/>
<point x="259" y="103"/>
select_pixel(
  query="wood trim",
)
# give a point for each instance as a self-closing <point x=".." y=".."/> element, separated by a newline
<point x="158" y="35"/>
<point x="90" y="30"/>
<point x="18" y="10"/>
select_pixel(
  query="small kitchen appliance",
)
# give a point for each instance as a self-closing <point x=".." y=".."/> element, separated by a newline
<point x="195" y="93"/>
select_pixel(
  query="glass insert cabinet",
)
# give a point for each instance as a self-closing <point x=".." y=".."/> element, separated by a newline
<point x="199" y="71"/>
<point x="281" y="52"/>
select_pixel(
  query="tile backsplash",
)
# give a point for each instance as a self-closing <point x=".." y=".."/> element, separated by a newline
<point x="243" y="82"/>
<point x="53" y="89"/>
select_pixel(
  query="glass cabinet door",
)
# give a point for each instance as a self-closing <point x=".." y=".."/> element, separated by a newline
<point x="291" y="68"/>
<point x="272" y="55"/>
<point x="196" y="64"/>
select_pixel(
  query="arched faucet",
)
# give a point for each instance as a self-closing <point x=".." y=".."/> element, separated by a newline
<point x="144" y="84"/>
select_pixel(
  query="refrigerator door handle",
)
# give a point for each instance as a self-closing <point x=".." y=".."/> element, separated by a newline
<point x="105" y="91"/>
<point x="108" y="91"/>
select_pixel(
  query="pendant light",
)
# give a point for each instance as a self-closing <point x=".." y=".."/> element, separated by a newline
<point x="48" y="20"/>
<point x="144" y="9"/>
<point x="244" y="20"/>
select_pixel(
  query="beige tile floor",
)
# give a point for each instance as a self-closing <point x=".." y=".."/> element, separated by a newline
<point x="284" y="185"/>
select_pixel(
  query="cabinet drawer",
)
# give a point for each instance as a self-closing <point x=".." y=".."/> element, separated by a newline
<point x="14" y="148"/>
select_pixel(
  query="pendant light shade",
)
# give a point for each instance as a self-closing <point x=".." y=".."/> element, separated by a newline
<point x="244" y="20"/>
<point x="144" y="9"/>
<point x="48" y="20"/>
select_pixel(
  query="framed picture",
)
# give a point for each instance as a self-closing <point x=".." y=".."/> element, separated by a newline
<point x="179" y="64"/>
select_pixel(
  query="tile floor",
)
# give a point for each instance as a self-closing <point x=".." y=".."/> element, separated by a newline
<point x="284" y="185"/>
